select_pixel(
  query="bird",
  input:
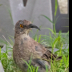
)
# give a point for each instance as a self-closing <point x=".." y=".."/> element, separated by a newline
<point x="25" y="2"/>
<point x="26" y="47"/>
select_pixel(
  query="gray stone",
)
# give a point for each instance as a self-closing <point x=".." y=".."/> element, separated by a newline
<point x="1" y="67"/>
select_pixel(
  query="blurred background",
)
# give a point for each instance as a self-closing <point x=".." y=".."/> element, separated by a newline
<point x="40" y="12"/>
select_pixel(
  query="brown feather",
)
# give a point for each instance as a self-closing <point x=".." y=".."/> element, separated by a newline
<point x="25" y="47"/>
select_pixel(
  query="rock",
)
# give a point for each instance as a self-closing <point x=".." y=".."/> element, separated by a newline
<point x="1" y="67"/>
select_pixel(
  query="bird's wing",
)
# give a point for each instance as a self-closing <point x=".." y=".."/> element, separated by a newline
<point x="50" y="56"/>
<point x="40" y="55"/>
<point x="46" y="54"/>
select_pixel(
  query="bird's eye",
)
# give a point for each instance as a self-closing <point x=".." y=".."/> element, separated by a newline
<point x="21" y="25"/>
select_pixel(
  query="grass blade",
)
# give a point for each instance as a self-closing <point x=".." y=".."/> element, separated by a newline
<point x="37" y="69"/>
<point x="46" y="68"/>
<point x="56" y="7"/>
<point x="47" y="18"/>
<point x="39" y="39"/>
<point x="51" y="30"/>
<point x="28" y="65"/>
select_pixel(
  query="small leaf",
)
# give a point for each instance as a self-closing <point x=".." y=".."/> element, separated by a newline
<point x="35" y="38"/>
<point x="64" y="58"/>
<point x="55" y="41"/>
<point x="39" y="39"/>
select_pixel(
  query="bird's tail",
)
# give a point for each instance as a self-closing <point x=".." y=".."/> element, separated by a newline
<point x="49" y="55"/>
<point x="59" y="58"/>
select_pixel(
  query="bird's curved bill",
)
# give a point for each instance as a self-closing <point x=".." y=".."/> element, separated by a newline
<point x="33" y="26"/>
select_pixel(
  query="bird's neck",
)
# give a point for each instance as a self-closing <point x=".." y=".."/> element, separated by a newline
<point x="24" y="35"/>
<point x="20" y="35"/>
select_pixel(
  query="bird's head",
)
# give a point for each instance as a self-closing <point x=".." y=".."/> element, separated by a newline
<point x="24" y="27"/>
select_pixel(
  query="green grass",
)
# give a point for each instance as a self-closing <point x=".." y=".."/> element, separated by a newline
<point x="54" y="41"/>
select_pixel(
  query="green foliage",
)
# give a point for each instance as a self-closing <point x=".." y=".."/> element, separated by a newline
<point x="30" y="67"/>
<point x="54" y="41"/>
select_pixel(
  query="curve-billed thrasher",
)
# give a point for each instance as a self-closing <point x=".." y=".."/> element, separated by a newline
<point x="25" y="47"/>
